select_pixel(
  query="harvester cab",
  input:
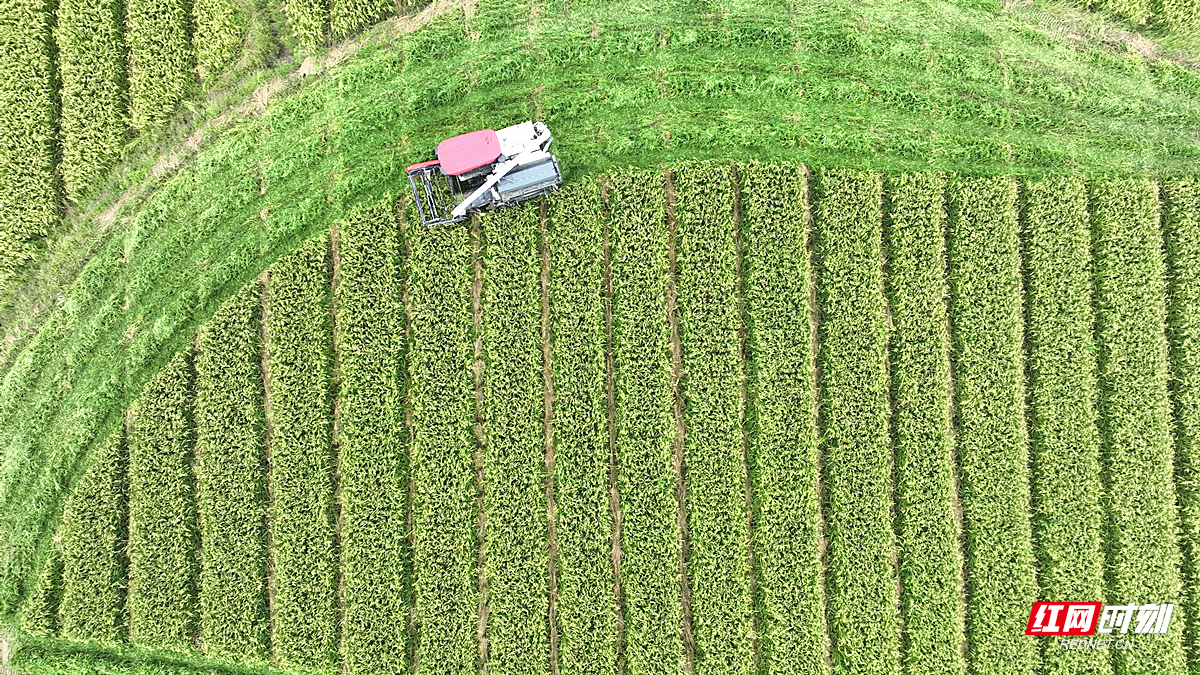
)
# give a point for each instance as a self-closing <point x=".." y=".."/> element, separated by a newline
<point x="484" y="170"/>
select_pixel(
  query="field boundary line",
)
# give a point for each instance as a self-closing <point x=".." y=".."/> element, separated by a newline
<point x="264" y="344"/>
<point x="477" y="368"/>
<point x="335" y="386"/>
<point x="548" y="438"/>
<point x="677" y="391"/>
<point x="411" y="651"/>
<point x="890" y="416"/>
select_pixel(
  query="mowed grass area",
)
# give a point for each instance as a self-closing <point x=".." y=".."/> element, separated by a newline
<point x="551" y="441"/>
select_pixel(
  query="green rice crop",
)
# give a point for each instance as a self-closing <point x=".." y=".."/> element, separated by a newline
<point x="863" y="601"/>
<point x="163" y="541"/>
<point x="783" y="444"/>
<point x="928" y="534"/>
<point x="40" y="616"/>
<point x="443" y="448"/>
<point x="1138" y="460"/>
<point x="587" y="629"/>
<point x="1181" y="218"/>
<point x="986" y="320"/>
<point x="161" y="59"/>
<point x="1065" y="441"/>
<point x="309" y="20"/>
<point x="219" y="28"/>
<point x="231" y="480"/>
<point x="1135" y="11"/>
<point x="514" y="470"/>
<point x="709" y="326"/>
<point x="300" y="362"/>
<point x="28" y="189"/>
<point x="91" y="66"/>
<point x="646" y="476"/>
<point x="372" y="464"/>
<point x="95" y="531"/>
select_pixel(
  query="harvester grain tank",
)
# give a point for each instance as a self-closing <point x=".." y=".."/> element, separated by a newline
<point x="484" y="170"/>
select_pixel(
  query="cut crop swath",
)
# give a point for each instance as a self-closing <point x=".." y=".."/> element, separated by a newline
<point x="854" y="422"/>
<point x="91" y="66"/>
<point x="1062" y="395"/>
<point x="161" y="59"/>
<point x="442" y="397"/>
<point x="300" y="355"/>
<point x="928" y="537"/>
<point x="162" y="511"/>
<point x="645" y="424"/>
<point x="783" y="442"/>
<point x="709" y="326"/>
<point x="371" y="458"/>
<point x="514" y="464"/>
<point x="1181" y="206"/>
<point x="231" y="480"/>
<point x="28" y="195"/>
<point x="94" y="534"/>
<point x="989" y="383"/>
<point x="1142" y="528"/>
<point x="587" y="628"/>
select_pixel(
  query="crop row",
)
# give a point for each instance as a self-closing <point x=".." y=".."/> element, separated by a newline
<point x="853" y="367"/>
<point x="1065" y="441"/>
<point x="300" y="363"/>
<point x="370" y="445"/>
<point x="645" y="427"/>
<point x="1181" y="217"/>
<point x="161" y="59"/>
<point x="230" y="479"/>
<point x="986" y="319"/>
<point x="710" y="326"/>
<point x="930" y="560"/>
<point x="783" y="441"/>
<point x="586" y="607"/>
<point x="440" y="276"/>
<point x="163" y="538"/>
<point x="514" y="469"/>
<point x="1142" y="529"/>
<point x="94" y="534"/>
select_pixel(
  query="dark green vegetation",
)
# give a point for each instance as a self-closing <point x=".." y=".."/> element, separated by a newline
<point x="988" y="370"/>
<point x="1065" y="441"/>
<point x="1135" y="413"/>
<point x="853" y="381"/>
<point x="383" y="388"/>
<point x="927" y="532"/>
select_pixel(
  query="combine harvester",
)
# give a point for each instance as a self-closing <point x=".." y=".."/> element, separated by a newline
<point x="484" y="170"/>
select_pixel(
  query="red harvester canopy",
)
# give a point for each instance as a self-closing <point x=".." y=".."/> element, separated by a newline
<point x="468" y="151"/>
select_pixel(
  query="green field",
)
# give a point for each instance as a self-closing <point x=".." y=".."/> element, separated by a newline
<point x="854" y="329"/>
<point x="551" y="441"/>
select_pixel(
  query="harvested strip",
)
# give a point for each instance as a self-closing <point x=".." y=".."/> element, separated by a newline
<point x="1065" y="439"/>
<point x="986" y="320"/>
<point x="645" y="426"/>
<point x="91" y="65"/>
<point x="95" y="529"/>
<point x="710" y="324"/>
<point x="231" y="480"/>
<point x="587" y="627"/>
<point x="1142" y="528"/>
<point x="930" y="559"/>
<point x="371" y="456"/>
<point x="1181" y="206"/>
<point x="515" y="505"/>
<point x="162" y="511"/>
<point x="302" y="513"/>
<point x="443" y="449"/>
<point x="783" y="442"/>
<point x="854" y="423"/>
